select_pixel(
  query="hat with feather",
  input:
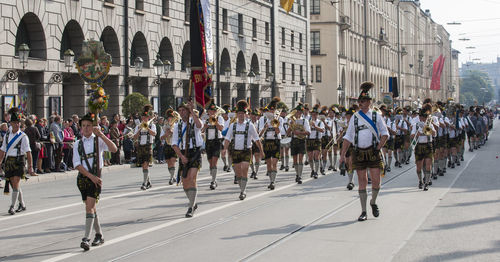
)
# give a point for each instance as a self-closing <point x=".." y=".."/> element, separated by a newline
<point x="147" y="110"/>
<point x="365" y="88"/>
<point x="273" y="105"/>
<point x="15" y="115"/>
<point x="316" y="108"/>
<point x="241" y="106"/>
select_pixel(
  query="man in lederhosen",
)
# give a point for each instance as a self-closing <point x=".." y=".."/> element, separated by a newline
<point x="145" y="133"/>
<point x="285" y="147"/>
<point x="256" y="157"/>
<point x="225" y="117"/>
<point x="313" y="144"/>
<point x="212" y="130"/>
<point x="423" y="131"/>
<point x="402" y="128"/>
<point x="242" y="133"/>
<point x="16" y="149"/>
<point x="166" y="135"/>
<point x="299" y="130"/>
<point x="326" y="139"/>
<point x="88" y="180"/>
<point x="389" y="145"/>
<point x="333" y="150"/>
<point x="368" y="134"/>
<point x="187" y="142"/>
<point x="270" y="130"/>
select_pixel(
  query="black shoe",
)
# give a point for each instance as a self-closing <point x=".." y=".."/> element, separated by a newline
<point x="255" y="177"/>
<point x="407" y="162"/>
<point x="458" y="163"/>
<point x="315" y="175"/>
<point x="335" y="169"/>
<point x="296" y="178"/>
<point x="148" y="185"/>
<point x="271" y="186"/>
<point x="362" y="217"/>
<point x="85" y="244"/>
<point x="375" y="210"/>
<point x="420" y="185"/>
<point x="322" y="171"/>
<point x="253" y="174"/>
<point x="430" y="183"/>
<point x="171" y="181"/>
<point x="191" y="210"/>
<point x="330" y="168"/>
<point x="396" y="164"/>
<point x="453" y="165"/>
<point x="306" y="163"/>
<point x="11" y="210"/>
<point x="449" y="163"/>
<point x="282" y="167"/>
<point x="369" y="181"/>
<point x="143" y="187"/>
<point x="434" y="177"/>
<point x="426" y="187"/>
<point x="299" y="181"/>
<point x="235" y="182"/>
<point x="20" y="208"/>
<point x="462" y="158"/>
<point x="40" y="172"/>
<point x="286" y="169"/>
<point x="242" y="196"/>
<point x="98" y="240"/>
<point x="312" y="173"/>
<point x="388" y="169"/>
<point x="213" y="185"/>
<point x="350" y="186"/>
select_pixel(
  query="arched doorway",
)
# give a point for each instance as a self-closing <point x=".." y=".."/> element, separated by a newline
<point x="255" y="88"/>
<point x="225" y="63"/>
<point x="30" y="88"/>
<point x="111" y="45"/>
<point x="240" y="67"/>
<point x="140" y="49"/>
<point x="72" y="38"/>
<point x="111" y="84"/>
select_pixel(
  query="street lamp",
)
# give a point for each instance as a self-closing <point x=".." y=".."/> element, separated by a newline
<point x="138" y="63"/>
<point x="227" y="73"/>
<point x="243" y="75"/>
<point x="188" y="69"/>
<point x="303" y="89"/>
<point x="251" y="77"/>
<point x="24" y="52"/>
<point x="158" y="66"/>
<point x="166" y="67"/>
<point x="270" y="77"/>
<point x="340" y="91"/>
<point x="69" y="58"/>
<point x="257" y="76"/>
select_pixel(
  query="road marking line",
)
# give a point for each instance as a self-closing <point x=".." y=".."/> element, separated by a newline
<point x="171" y="223"/>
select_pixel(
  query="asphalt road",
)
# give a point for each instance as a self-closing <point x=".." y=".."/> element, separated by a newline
<point x="457" y="219"/>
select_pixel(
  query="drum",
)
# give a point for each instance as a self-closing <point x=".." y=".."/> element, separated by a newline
<point x="286" y="141"/>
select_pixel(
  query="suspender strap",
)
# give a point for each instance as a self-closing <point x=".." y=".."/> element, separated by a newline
<point x="245" y="133"/>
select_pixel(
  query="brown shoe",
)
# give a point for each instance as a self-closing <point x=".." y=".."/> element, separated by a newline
<point x="34" y="174"/>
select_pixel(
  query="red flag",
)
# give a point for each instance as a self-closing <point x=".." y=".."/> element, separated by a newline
<point x="437" y="70"/>
<point x="200" y="73"/>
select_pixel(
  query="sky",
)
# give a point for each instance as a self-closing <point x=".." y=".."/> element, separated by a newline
<point x="480" y="22"/>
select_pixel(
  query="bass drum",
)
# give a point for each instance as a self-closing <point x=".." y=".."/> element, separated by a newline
<point x="286" y="141"/>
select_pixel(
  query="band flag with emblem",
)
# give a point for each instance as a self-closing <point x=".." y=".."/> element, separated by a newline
<point x="437" y="70"/>
<point x="201" y="51"/>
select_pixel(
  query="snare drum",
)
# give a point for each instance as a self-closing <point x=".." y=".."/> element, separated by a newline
<point x="285" y="142"/>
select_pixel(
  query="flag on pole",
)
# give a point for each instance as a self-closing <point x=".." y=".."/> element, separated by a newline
<point x="201" y="50"/>
<point x="437" y="70"/>
<point x="287" y="5"/>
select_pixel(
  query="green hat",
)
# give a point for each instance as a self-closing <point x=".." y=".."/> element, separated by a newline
<point x="241" y="106"/>
<point x="88" y="117"/>
<point x="350" y="111"/>
<point x="15" y="115"/>
<point x="147" y="110"/>
<point x="274" y="103"/>
<point x="227" y="108"/>
<point x="315" y="108"/>
<point x="212" y="105"/>
<point x="299" y="107"/>
<point x="256" y="112"/>
<point x="365" y="88"/>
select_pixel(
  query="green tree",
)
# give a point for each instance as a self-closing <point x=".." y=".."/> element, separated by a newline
<point x="133" y="104"/>
<point x="475" y="85"/>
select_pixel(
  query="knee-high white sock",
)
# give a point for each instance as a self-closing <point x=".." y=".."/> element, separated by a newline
<point x="350" y="174"/>
<point x="334" y="160"/>
<point x="89" y="222"/>
<point x="375" y="191"/>
<point x="389" y="161"/>
<point x="257" y="165"/>
<point x="213" y="173"/>
<point x="287" y="159"/>
<point x="419" y="175"/>
<point x="15" y="195"/>
<point x="97" y="225"/>
<point x="363" y="197"/>
<point x="243" y="184"/>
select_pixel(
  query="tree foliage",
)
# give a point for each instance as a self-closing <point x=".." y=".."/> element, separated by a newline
<point x="475" y="87"/>
<point x="133" y="104"/>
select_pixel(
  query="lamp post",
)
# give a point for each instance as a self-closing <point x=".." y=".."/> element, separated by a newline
<point x="138" y="63"/>
<point x="227" y="74"/>
<point x="303" y="90"/>
<point x="69" y="58"/>
<point x="340" y="91"/>
<point x="159" y="68"/>
<point x="24" y="52"/>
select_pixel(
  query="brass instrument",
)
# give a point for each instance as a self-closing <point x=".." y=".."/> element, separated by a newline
<point x="296" y="127"/>
<point x="275" y="123"/>
<point x="145" y="125"/>
<point x="170" y="123"/>
<point x="212" y="120"/>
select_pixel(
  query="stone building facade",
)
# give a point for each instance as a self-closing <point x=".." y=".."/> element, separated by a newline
<point x="347" y="49"/>
<point x="147" y="28"/>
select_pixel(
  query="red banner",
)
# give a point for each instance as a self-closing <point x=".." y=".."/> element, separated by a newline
<point x="200" y="83"/>
<point x="437" y="70"/>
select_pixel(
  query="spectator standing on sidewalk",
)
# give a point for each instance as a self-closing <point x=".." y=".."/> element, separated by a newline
<point x="105" y="130"/>
<point x="128" y="143"/>
<point x="69" y="139"/>
<point x="115" y="136"/>
<point x="160" y="154"/>
<point x="56" y="130"/>
<point x="34" y="139"/>
<point x="75" y="127"/>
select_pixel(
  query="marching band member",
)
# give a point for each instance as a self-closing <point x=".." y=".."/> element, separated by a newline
<point x="368" y="134"/>
<point x="285" y="146"/>
<point x="402" y="128"/>
<point x="298" y="131"/>
<point x="332" y="151"/>
<point x="166" y="135"/>
<point x="406" y="136"/>
<point x="270" y="130"/>
<point x="187" y="142"/>
<point x="225" y="116"/>
<point x="470" y="119"/>
<point x="307" y="116"/>
<point x="347" y="164"/>
<point x="242" y="133"/>
<point x="89" y="180"/>
<point x="255" y="163"/>
<point x="423" y="131"/>
<point x="326" y="139"/>
<point x="16" y="150"/>
<point x="313" y="145"/>
<point x="213" y="145"/>
<point x="144" y="134"/>
<point x="389" y="146"/>
<point x="441" y="142"/>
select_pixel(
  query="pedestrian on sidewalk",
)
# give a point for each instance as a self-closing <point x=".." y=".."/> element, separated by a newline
<point x="69" y="139"/>
<point x="34" y="138"/>
<point x="88" y="180"/>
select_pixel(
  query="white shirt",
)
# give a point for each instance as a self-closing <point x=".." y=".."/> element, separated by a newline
<point x="181" y="144"/>
<point x="143" y="137"/>
<point x="418" y="127"/>
<point x="315" y="134"/>
<point x="211" y="132"/>
<point x="23" y="139"/>
<point x="391" y="125"/>
<point x="239" y="138"/>
<point x="365" y="135"/>
<point x="404" y="127"/>
<point x="270" y="132"/>
<point x="285" y="123"/>
<point x="88" y="146"/>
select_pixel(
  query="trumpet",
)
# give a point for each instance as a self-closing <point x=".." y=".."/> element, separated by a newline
<point x="145" y="125"/>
